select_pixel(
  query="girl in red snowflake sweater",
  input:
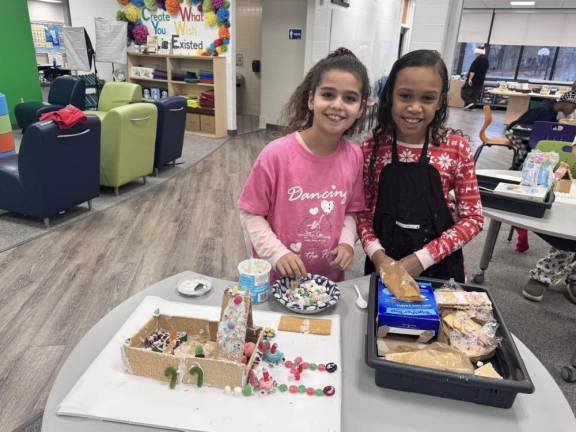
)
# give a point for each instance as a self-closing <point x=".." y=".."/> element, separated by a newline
<point x="411" y="166"/>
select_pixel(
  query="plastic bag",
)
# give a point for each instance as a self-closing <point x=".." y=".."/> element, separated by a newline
<point x="538" y="168"/>
<point x="436" y="356"/>
<point x="399" y="282"/>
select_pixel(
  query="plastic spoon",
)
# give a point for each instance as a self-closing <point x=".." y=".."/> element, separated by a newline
<point x="360" y="302"/>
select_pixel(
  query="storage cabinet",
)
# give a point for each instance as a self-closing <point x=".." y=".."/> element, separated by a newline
<point x="179" y="75"/>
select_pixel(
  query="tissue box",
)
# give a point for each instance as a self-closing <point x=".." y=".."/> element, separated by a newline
<point x="415" y="318"/>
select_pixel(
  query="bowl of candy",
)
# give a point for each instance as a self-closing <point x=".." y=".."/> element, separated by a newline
<point x="310" y="294"/>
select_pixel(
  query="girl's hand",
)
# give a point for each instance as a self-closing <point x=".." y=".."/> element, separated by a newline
<point x="381" y="260"/>
<point x="412" y="265"/>
<point x="291" y="265"/>
<point x="343" y="256"/>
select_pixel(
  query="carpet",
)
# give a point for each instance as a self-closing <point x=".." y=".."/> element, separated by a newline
<point x="16" y="229"/>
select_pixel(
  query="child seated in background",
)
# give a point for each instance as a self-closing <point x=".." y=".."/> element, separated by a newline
<point x="556" y="267"/>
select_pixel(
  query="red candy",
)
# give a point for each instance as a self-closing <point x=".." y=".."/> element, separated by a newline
<point x="297" y="376"/>
<point x="238" y="299"/>
<point x="288" y="364"/>
<point x="293" y="389"/>
<point x="298" y="360"/>
<point x="321" y="367"/>
<point x="310" y="391"/>
<point x="304" y="365"/>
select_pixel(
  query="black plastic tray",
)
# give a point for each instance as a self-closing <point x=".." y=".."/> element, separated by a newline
<point x="508" y="203"/>
<point x="470" y="388"/>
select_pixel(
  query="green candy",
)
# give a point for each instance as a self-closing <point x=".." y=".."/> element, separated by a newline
<point x="302" y="388"/>
<point x="247" y="390"/>
<point x="313" y="366"/>
<point x="171" y="373"/>
<point x="197" y="370"/>
<point x="319" y="392"/>
<point x="282" y="387"/>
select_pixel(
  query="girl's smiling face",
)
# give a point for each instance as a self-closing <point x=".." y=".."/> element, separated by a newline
<point x="417" y="95"/>
<point x="336" y="102"/>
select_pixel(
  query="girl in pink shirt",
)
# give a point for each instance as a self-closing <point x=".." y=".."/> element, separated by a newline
<point x="298" y="204"/>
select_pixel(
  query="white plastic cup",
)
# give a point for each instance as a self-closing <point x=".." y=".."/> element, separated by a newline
<point x="255" y="278"/>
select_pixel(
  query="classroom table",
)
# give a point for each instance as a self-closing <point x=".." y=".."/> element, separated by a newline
<point x="365" y="407"/>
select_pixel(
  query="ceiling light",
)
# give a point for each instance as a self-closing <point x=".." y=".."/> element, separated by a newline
<point x="51" y="1"/>
<point x="522" y="3"/>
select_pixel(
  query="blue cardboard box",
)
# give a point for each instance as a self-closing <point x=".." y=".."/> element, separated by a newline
<point x="408" y="317"/>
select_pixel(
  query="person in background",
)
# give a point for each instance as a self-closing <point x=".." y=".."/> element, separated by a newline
<point x="298" y="205"/>
<point x="556" y="267"/>
<point x="472" y="90"/>
<point x="411" y="165"/>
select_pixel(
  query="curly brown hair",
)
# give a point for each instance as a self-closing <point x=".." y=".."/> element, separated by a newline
<point x="385" y="125"/>
<point x="297" y="115"/>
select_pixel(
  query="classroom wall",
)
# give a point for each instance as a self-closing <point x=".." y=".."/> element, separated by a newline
<point x="282" y="58"/>
<point x="248" y="48"/>
<point x="19" y="76"/>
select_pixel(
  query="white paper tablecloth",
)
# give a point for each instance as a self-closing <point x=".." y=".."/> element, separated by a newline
<point x="105" y="391"/>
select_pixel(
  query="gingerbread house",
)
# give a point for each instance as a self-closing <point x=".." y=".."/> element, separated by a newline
<point x="194" y="350"/>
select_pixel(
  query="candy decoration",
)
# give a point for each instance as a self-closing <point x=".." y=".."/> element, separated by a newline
<point x="269" y="332"/>
<point x="228" y="390"/>
<point x="197" y="370"/>
<point x="310" y="391"/>
<point x="247" y="390"/>
<point x="237" y="391"/>
<point x="199" y="351"/>
<point x="301" y="388"/>
<point x="321" y="367"/>
<point x="292" y="389"/>
<point x="171" y="373"/>
<point x="249" y="348"/>
<point x="238" y="299"/>
<point x="313" y="366"/>
<point x="288" y="364"/>
<point x="331" y="367"/>
<point x="318" y="392"/>
<point x="282" y="387"/>
<point x="329" y="390"/>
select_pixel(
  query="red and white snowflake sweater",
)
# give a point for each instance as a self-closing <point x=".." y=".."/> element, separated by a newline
<point x="453" y="160"/>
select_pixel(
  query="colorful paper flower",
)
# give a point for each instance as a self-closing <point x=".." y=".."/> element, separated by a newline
<point x="172" y="7"/>
<point x="207" y="5"/>
<point x="217" y="42"/>
<point x="140" y="33"/>
<point x="223" y="32"/>
<point x="139" y="3"/>
<point x="210" y="18"/>
<point x="223" y="14"/>
<point x="132" y="12"/>
<point x="216" y="4"/>
<point x="120" y="16"/>
<point x="150" y="5"/>
<point x="123" y="2"/>
<point x="161" y="4"/>
<point x="227" y="4"/>
<point x="221" y="49"/>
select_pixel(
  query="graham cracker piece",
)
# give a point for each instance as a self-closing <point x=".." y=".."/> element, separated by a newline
<point x="305" y="325"/>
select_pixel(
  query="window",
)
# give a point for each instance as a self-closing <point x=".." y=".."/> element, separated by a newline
<point x="536" y="62"/>
<point x="465" y="57"/>
<point x="565" y="68"/>
<point x="503" y="60"/>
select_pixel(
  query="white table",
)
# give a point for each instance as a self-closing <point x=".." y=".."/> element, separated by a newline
<point x="557" y="227"/>
<point x="365" y="407"/>
<point x="519" y="103"/>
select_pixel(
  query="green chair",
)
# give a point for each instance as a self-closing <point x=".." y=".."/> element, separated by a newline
<point x="564" y="150"/>
<point x="128" y="135"/>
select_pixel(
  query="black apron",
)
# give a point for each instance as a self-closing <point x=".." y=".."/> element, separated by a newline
<point x="411" y="211"/>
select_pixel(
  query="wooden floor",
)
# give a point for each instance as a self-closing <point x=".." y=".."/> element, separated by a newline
<point x="56" y="287"/>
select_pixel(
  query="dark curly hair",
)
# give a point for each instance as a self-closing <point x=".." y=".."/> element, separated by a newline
<point x="297" y="115"/>
<point x="385" y="124"/>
